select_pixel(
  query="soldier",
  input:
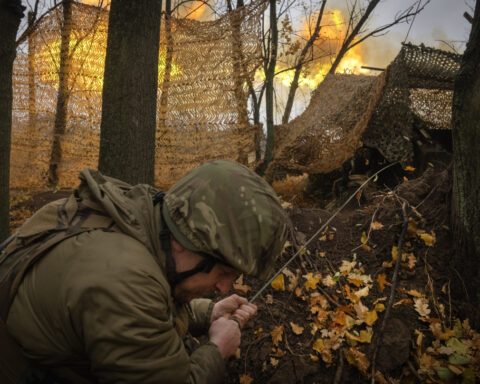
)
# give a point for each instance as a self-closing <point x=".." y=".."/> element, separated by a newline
<point x="107" y="285"/>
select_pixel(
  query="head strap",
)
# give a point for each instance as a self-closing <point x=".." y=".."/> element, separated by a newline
<point x="174" y="277"/>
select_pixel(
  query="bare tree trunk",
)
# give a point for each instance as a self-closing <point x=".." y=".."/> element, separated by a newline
<point x="10" y="14"/>
<point x="349" y="38"/>
<point x="299" y="66"/>
<point x="167" y="72"/>
<point x="63" y="94"/>
<point x="466" y="169"/>
<point x="32" y="107"/>
<point x="127" y="137"/>
<point x="269" y="86"/>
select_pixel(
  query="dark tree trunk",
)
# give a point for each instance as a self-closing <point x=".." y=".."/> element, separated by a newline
<point x="162" y="123"/>
<point x="63" y="94"/>
<point x="127" y="139"/>
<point x="347" y="43"/>
<point x="300" y="62"/>
<point x="466" y="169"/>
<point x="11" y="11"/>
<point x="269" y="86"/>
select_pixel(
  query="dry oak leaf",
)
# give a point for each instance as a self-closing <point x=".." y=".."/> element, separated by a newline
<point x="318" y="345"/>
<point x="358" y="359"/>
<point x="241" y="289"/>
<point x="278" y="283"/>
<point x="313" y="357"/>
<point x="421" y="306"/>
<point x="347" y="267"/>
<point x="245" y="379"/>
<point x="328" y="281"/>
<point x="292" y="279"/>
<point x="277" y="335"/>
<point x="375" y="225"/>
<point x="298" y="330"/>
<point x="381" y="280"/>
<point x="312" y="280"/>
<point x="415" y="293"/>
<point x="371" y="317"/>
<point x="428" y="239"/>
<point x="317" y="298"/>
<point x="401" y="302"/>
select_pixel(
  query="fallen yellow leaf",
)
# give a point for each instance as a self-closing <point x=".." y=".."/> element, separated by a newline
<point x="313" y="357"/>
<point x="298" y="330"/>
<point x="364" y="238"/>
<point x="408" y="168"/>
<point x="318" y="345"/>
<point x="277" y="335"/>
<point x="366" y="247"/>
<point x="278" y="283"/>
<point x="415" y="293"/>
<point x="381" y="280"/>
<point x="379" y="307"/>
<point x="245" y="379"/>
<point x="312" y="280"/>
<point x="429" y="240"/>
<point x="357" y="359"/>
<point x="371" y="317"/>
<point x="375" y="225"/>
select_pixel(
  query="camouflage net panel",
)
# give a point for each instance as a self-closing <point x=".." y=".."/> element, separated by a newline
<point x="206" y="116"/>
<point x="327" y="134"/>
<point x="432" y="106"/>
<point x="419" y="85"/>
<point x="201" y="107"/>
<point x="35" y="89"/>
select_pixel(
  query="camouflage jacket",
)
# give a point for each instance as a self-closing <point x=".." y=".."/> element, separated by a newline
<point x="98" y="307"/>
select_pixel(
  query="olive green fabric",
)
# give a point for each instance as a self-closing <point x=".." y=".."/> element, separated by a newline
<point x="100" y="301"/>
<point x="224" y="209"/>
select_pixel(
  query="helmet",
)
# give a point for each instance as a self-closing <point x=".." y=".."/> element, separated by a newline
<point x="227" y="211"/>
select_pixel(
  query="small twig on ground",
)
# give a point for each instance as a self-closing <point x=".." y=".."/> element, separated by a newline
<point x="338" y="374"/>
<point x="248" y="348"/>
<point x="414" y="371"/>
<point x="393" y="288"/>
<point x="329" y="298"/>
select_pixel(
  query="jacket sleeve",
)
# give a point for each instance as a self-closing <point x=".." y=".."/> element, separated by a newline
<point x="121" y="310"/>
<point x="201" y="311"/>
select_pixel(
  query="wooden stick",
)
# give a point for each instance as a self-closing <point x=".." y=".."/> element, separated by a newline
<point x="394" y="287"/>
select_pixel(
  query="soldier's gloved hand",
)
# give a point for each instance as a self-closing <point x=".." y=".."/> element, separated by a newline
<point x="229" y="305"/>
<point x="225" y="334"/>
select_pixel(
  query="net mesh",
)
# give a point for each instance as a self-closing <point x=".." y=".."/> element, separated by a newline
<point x="346" y="110"/>
<point x="329" y="131"/>
<point x="201" y="107"/>
<point x="419" y="87"/>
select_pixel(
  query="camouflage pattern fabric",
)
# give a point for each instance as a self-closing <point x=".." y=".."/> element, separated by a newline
<point x="229" y="212"/>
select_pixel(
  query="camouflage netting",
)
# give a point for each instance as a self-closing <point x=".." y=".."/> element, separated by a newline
<point x="419" y="90"/>
<point x="201" y="108"/>
<point x="346" y="110"/>
<point x="327" y="134"/>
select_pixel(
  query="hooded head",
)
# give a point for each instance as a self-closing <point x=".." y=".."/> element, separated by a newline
<point x="228" y="212"/>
